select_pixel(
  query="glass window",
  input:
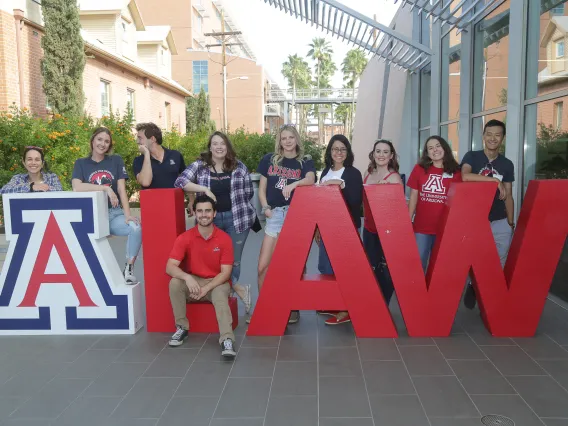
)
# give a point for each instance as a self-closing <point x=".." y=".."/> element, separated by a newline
<point x="130" y="102"/>
<point x="490" y="63"/>
<point x="451" y="73"/>
<point x="200" y="76"/>
<point x="557" y="10"/>
<point x="477" y="129"/>
<point x="450" y="133"/>
<point x="424" y="134"/>
<point x="425" y="82"/>
<point x="546" y="41"/>
<point x="105" y="97"/>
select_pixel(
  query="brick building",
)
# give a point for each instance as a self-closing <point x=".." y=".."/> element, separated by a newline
<point x="128" y="63"/>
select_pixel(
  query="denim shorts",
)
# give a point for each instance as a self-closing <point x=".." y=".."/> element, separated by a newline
<point x="274" y="224"/>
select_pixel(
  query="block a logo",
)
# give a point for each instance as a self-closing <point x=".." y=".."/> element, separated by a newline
<point x="60" y="275"/>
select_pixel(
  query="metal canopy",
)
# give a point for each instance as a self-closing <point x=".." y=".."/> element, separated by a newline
<point x="453" y="13"/>
<point x="358" y="29"/>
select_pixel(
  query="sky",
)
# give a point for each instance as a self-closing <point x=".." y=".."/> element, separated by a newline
<point x="273" y="34"/>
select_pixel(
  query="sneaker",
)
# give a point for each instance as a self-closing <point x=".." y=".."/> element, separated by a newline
<point x="247" y="320"/>
<point x="294" y="317"/>
<point x="178" y="337"/>
<point x="228" y="348"/>
<point x="335" y="321"/>
<point x="129" y="274"/>
<point x="469" y="299"/>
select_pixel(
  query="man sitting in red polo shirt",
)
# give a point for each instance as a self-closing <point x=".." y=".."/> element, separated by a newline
<point x="207" y="253"/>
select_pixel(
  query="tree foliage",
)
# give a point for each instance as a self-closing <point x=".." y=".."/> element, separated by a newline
<point x="64" y="56"/>
<point x="321" y="51"/>
<point x="198" y="114"/>
<point x="352" y="67"/>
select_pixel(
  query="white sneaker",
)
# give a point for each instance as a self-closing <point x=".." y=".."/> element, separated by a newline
<point x="228" y="348"/>
<point x="129" y="274"/>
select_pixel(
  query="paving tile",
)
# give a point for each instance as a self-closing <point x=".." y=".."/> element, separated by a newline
<point x="343" y="397"/>
<point x="292" y="410"/>
<point x="484" y="338"/>
<point x="87" y="410"/>
<point x="339" y="361"/>
<point x="387" y="378"/>
<point x="543" y="394"/>
<point x="147" y="399"/>
<point x="397" y="410"/>
<point x="9" y="404"/>
<point x="405" y="340"/>
<point x="129" y="422"/>
<point x="345" y="421"/>
<point x="195" y="340"/>
<point x="452" y="421"/>
<point x="244" y="397"/>
<point x="378" y="350"/>
<point x="307" y="325"/>
<point x="171" y="363"/>
<point x="189" y="411"/>
<point x="114" y="342"/>
<point x="424" y="360"/>
<point x="555" y="422"/>
<point x="542" y="347"/>
<point x="295" y="378"/>
<point x="481" y="377"/>
<point x="30" y="380"/>
<point x="145" y="348"/>
<point x="53" y="399"/>
<point x="335" y="336"/>
<point x="443" y="396"/>
<point x="205" y="379"/>
<point x="459" y="346"/>
<point x="261" y="342"/>
<point x="258" y="421"/>
<point x="117" y="380"/>
<point x="558" y="369"/>
<point x="298" y="348"/>
<point x="255" y="362"/>
<point x="511" y="360"/>
<point x="90" y="365"/>
<point x="27" y="422"/>
<point x="66" y="348"/>
<point x="511" y="406"/>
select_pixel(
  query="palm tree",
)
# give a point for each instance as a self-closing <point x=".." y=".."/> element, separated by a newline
<point x="321" y="51"/>
<point x="297" y="72"/>
<point x="352" y="67"/>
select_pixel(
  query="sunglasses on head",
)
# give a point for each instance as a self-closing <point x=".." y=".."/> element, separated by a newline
<point x="34" y="147"/>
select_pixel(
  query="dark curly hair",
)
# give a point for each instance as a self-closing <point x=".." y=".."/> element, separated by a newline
<point x="348" y="159"/>
<point x="230" y="162"/>
<point x="450" y="164"/>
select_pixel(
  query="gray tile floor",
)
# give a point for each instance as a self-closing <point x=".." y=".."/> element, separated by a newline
<point x="313" y="375"/>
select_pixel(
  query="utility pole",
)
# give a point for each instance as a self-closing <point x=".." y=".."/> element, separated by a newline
<point x="223" y="37"/>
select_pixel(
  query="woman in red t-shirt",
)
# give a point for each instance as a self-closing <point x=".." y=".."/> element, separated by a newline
<point x="429" y="182"/>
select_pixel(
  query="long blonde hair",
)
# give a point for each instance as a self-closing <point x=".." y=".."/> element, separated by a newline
<point x="279" y="151"/>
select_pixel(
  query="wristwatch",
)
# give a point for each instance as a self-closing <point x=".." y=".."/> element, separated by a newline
<point x="264" y="208"/>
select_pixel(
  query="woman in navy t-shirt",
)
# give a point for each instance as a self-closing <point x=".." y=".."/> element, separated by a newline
<point x="281" y="173"/>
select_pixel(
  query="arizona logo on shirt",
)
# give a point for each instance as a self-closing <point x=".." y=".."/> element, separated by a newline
<point x="60" y="275"/>
<point x="434" y="185"/>
<point x="101" y="177"/>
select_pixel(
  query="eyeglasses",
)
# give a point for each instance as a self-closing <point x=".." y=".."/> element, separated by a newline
<point x="339" y="150"/>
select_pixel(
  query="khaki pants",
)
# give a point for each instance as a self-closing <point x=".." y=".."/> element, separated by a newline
<point x="219" y="296"/>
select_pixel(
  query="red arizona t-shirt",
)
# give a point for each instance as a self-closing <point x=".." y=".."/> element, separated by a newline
<point x="203" y="257"/>
<point x="432" y="189"/>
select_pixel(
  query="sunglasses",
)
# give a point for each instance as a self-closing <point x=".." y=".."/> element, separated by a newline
<point x="34" y="147"/>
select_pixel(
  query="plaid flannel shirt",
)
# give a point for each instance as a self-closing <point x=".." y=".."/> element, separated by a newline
<point x="241" y="190"/>
<point x="21" y="183"/>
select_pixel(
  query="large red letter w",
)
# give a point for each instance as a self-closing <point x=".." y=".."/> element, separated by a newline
<point x="354" y="289"/>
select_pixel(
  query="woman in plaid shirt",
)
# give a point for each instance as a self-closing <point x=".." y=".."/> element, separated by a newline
<point x="222" y="177"/>
<point x="37" y="179"/>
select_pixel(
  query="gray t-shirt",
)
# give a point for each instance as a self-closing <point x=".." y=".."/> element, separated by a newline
<point x="106" y="172"/>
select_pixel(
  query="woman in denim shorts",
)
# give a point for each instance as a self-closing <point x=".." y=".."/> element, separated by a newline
<point x="281" y="172"/>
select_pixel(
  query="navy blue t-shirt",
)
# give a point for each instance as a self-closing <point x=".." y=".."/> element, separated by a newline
<point x="501" y="166"/>
<point x="288" y="171"/>
<point x="164" y="174"/>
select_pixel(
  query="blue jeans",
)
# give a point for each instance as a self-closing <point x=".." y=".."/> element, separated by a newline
<point x="376" y="257"/>
<point x="120" y="228"/>
<point x="224" y="221"/>
<point x="324" y="265"/>
<point x="425" y="242"/>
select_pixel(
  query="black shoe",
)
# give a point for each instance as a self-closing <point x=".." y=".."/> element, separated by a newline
<point x="228" y="348"/>
<point x="294" y="317"/>
<point x="178" y="337"/>
<point x="469" y="299"/>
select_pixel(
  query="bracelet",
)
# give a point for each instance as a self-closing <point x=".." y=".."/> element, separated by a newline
<point x="264" y="208"/>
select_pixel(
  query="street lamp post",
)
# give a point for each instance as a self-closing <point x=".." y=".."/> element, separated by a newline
<point x="225" y="81"/>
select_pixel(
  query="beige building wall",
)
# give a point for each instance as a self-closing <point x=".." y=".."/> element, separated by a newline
<point x="245" y="98"/>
